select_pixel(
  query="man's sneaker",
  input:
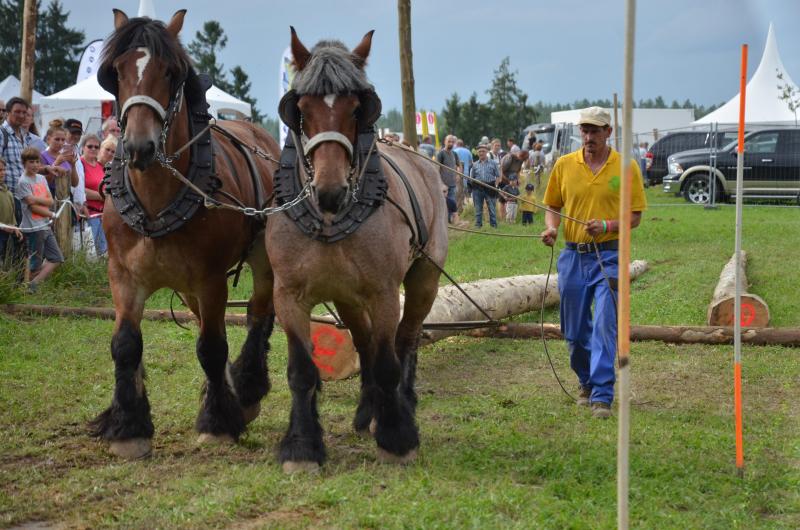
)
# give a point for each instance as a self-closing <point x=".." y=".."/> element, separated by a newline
<point x="601" y="410"/>
<point x="583" y="396"/>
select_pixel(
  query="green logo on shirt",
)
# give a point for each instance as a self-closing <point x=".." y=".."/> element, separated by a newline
<point x="613" y="183"/>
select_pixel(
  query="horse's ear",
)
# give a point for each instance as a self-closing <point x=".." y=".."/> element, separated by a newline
<point x="120" y="18"/>
<point x="299" y="52"/>
<point x="175" y="25"/>
<point x="362" y="50"/>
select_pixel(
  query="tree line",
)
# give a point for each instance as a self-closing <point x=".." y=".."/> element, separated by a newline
<point x="506" y="111"/>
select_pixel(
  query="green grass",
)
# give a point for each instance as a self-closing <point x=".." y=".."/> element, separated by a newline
<point x="501" y="446"/>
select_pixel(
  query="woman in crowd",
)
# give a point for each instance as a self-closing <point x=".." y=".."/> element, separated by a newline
<point x="32" y="137"/>
<point x="93" y="172"/>
<point x="59" y="158"/>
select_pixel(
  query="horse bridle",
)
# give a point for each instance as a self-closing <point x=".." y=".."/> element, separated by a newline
<point x="167" y="116"/>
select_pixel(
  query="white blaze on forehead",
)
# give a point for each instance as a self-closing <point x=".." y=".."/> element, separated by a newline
<point x="329" y="100"/>
<point x="141" y="62"/>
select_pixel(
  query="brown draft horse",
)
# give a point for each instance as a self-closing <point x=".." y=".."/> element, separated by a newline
<point x="361" y="273"/>
<point x="147" y="69"/>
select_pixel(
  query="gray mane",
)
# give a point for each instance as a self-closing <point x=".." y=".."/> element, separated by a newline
<point x="332" y="69"/>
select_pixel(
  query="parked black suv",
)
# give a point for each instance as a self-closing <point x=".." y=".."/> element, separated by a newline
<point x="771" y="168"/>
<point x="675" y="142"/>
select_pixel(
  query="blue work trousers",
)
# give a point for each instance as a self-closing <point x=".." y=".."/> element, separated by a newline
<point x="591" y="338"/>
<point x="478" y="196"/>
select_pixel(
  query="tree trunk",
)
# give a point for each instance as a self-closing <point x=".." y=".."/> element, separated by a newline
<point x="407" y="73"/>
<point x="755" y="312"/>
<point x="62" y="228"/>
<point x="27" y="61"/>
<point x="673" y="334"/>
<point x="500" y="297"/>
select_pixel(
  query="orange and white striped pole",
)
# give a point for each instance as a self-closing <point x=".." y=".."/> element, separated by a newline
<point x="737" y="311"/>
<point x="624" y="283"/>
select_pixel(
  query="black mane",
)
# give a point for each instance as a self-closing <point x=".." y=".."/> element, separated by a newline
<point x="151" y="34"/>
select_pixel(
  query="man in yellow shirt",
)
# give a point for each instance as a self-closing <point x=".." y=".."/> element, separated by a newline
<point x="585" y="185"/>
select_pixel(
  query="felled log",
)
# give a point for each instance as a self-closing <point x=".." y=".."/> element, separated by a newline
<point x="499" y="297"/>
<point x="755" y="312"/>
<point x="672" y="334"/>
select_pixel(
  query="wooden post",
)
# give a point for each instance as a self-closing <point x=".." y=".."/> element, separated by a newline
<point x="62" y="228"/>
<point x="27" y="61"/>
<point x="407" y="72"/>
<point x="616" y="123"/>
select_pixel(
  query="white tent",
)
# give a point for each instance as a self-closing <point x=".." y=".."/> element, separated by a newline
<point x="763" y="103"/>
<point x="84" y="101"/>
<point x="9" y="88"/>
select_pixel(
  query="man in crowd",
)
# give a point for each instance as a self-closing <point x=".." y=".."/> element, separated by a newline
<point x="510" y="167"/>
<point x="511" y="144"/>
<point x="427" y="148"/>
<point x="585" y="185"/>
<point x="486" y="171"/>
<point x="496" y="153"/>
<point x="3" y="111"/>
<point x="111" y="127"/>
<point x="13" y="142"/>
<point x="447" y="157"/>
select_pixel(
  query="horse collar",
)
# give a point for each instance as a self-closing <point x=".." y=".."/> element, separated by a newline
<point x="368" y="195"/>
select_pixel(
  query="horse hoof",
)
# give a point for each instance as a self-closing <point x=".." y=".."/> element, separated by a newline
<point x="385" y="457"/>
<point x="250" y="413"/>
<point x="290" y="467"/>
<point x="132" y="449"/>
<point x="215" y="439"/>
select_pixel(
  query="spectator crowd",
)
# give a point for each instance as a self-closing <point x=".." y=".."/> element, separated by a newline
<point x="31" y="167"/>
<point x="515" y="171"/>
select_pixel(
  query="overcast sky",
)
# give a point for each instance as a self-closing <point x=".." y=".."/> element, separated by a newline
<point x="562" y="50"/>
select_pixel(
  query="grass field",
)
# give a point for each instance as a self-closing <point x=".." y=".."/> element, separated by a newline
<point x="502" y="447"/>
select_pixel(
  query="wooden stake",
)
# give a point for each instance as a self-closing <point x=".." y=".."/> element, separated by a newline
<point x="27" y="61"/>
<point x="616" y="123"/>
<point x="407" y="73"/>
<point x="737" y="315"/>
<point x="624" y="300"/>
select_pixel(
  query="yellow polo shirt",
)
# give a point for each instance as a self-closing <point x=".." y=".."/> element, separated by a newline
<point x="583" y="195"/>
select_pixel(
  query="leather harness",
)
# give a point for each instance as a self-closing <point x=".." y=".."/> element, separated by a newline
<point x="202" y="172"/>
<point x="371" y="193"/>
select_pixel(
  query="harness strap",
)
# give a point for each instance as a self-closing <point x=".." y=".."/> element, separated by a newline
<point x="144" y="100"/>
<point x="422" y="231"/>
<point x="309" y="144"/>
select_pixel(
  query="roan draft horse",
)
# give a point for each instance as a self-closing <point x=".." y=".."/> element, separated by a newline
<point x="161" y="233"/>
<point x="372" y="212"/>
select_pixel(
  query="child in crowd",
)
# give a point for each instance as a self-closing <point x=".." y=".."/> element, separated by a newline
<point x="33" y="192"/>
<point x="527" y="207"/>
<point x="8" y="220"/>
<point x="512" y="188"/>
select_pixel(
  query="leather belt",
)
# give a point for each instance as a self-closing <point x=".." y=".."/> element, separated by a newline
<point x="583" y="248"/>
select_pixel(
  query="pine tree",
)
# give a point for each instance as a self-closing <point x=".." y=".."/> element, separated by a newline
<point x="58" y="47"/>
<point x="204" y="50"/>
<point x="507" y="103"/>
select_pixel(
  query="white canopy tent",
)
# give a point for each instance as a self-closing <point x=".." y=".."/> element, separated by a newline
<point x="763" y="104"/>
<point x="84" y="101"/>
<point x="9" y="88"/>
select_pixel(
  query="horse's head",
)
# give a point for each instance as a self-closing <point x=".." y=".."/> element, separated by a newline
<point x="331" y="101"/>
<point x="144" y="66"/>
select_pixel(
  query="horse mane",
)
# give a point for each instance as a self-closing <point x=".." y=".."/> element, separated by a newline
<point x="147" y="33"/>
<point x="331" y="69"/>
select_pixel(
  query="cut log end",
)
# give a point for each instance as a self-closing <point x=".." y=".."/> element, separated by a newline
<point x="755" y="312"/>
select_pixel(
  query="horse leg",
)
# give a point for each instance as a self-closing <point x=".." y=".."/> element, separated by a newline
<point x="421" y="287"/>
<point x="126" y="424"/>
<point x="302" y="448"/>
<point x="395" y="429"/>
<point x="220" y="417"/>
<point x="249" y="376"/>
<point x="358" y="323"/>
